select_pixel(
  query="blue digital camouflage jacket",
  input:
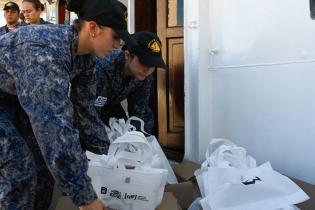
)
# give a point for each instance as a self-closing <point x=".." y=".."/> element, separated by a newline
<point x="56" y="88"/>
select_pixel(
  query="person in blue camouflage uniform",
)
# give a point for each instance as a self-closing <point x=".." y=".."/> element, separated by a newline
<point x="49" y="71"/>
<point x="119" y="78"/>
<point x="45" y="181"/>
<point x="32" y="10"/>
<point x="11" y="14"/>
<point x="20" y="119"/>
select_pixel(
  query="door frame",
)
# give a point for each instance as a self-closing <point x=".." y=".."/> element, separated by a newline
<point x="165" y="33"/>
<point x="198" y="125"/>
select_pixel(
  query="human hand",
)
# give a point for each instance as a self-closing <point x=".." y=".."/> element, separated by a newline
<point x="94" y="205"/>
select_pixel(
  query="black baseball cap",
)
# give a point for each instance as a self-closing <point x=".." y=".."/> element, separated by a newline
<point x="110" y="13"/>
<point x="148" y="50"/>
<point x="11" y="5"/>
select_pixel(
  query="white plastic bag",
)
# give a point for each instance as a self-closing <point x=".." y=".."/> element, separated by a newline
<point x="227" y="154"/>
<point x="102" y="159"/>
<point x="127" y="180"/>
<point x="222" y="153"/>
<point x="118" y="127"/>
<point x="246" y="189"/>
<point x="164" y="163"/>
<point x="230" y="180"/>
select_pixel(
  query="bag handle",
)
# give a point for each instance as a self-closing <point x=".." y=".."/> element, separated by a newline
<point x="118" y="127"/>
<point x="134" y="118"/>
<point x="210" y="148"/>
<point x="228" y="154"/>
<point x="124" y="162"/>
<point x="132" y="146"/>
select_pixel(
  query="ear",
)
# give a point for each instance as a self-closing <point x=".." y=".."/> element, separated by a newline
<point x="92" y="28"/>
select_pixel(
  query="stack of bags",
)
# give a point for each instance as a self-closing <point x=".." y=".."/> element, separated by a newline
<point x="133" y="174"/>
<point x="230" y="180"/>
<point x="119" y="127"/>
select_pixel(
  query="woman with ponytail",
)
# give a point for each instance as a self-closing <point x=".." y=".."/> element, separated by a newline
<point x="32" y="9"/>
<point x="48" y="72"/>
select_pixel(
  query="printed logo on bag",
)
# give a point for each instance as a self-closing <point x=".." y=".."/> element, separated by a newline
<point x="142" y="198"/>
<point x="247" y="182"/>
<point x="103" y="190"/>
<point x="135" y="197"/>
<point x="126" y="196"/>
<point x="130" y="197"/>
<point x="115" y="194"/>
<point x="100" y="101"/>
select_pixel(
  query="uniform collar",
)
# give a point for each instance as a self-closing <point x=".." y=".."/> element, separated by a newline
<point x="42" y="21"/>
<point x="7" y="29"/>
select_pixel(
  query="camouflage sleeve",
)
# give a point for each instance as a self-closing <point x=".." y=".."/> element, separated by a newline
<point x="93" y="135"/>
<point x="109" y="61"/>
<point x="138" y="104"/>
<point x="42" y="89"/>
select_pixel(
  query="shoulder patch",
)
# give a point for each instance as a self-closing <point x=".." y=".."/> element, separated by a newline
<point x="100" y="101"/>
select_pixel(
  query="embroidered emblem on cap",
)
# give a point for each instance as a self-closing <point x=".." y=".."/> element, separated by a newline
<point x="155" y="46"/>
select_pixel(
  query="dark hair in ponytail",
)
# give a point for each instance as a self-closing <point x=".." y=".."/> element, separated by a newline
<point x="37" y="4"/>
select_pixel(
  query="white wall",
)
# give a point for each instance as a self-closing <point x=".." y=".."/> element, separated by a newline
<point x="130" y="4"/>
<point x="258" y="89"/>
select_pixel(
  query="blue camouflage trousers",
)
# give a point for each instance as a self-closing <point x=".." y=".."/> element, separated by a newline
<point x="25" y="181"/>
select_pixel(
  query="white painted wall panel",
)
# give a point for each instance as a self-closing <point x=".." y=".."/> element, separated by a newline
<point x="254" y="31"/>
<point x="271" y="112"/>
